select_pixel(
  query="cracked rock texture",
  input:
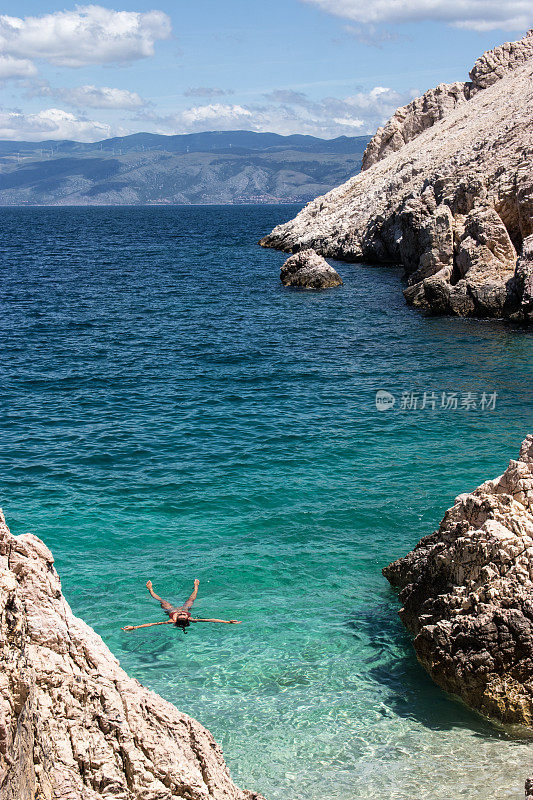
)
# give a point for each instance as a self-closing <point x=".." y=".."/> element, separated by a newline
<point x="524" y="277"/>
<point x="422" y="112"/>
<point x="73" y="725"/>
<point x="308" y="270"/>
<point x="467" y="595"/>
<point x="410" y="120"/>
<point x="446" y="190"/>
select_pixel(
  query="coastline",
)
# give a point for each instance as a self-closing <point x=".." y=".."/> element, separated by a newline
<point x="466" y="597"/>
<point x="144" y="384"/>
<point x="74" y="724"/>
<point x="446" y="191"/>
<point x="187" y="406"/>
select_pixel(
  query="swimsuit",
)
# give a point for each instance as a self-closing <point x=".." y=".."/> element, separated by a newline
<point x="180" y="609"/>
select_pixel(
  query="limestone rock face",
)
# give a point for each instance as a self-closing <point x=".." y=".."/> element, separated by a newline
<point x="495" y="64"/>
<point x="422" y="112"/>
<point x="308" y="270"/>
<point x="480" y="279"/>
<point x="447" y="173"/>
<point x="410" y="120"/>
<point x="524" y="280"/>
<point x="73" y="725"/>
<point x="467" y="595"/>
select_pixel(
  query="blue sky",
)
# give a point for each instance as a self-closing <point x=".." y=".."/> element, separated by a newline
<point x="323" y="67"/>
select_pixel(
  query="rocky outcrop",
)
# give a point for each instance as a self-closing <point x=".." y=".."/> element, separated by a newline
<point x="447" y="191"/>
<point x="524" y="280"/>
<point x="423" y="112"/>
<point x="481" y="277"/>
<point x="308" y="270"/>
<point x="418" y="115"/>
<point x="467" y="595"/>
<point x="495" y="64"/>
<point x="73" y="725"/>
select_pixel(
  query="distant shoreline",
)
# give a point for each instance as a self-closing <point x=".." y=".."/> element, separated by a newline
<point x="156" y="205"/>
<point x="213" y="168"/>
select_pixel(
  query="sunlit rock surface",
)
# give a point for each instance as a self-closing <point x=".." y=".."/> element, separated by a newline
<point x="308" y="270"/>
<point x="446" y="190"/>
<point x="467" y="595"/>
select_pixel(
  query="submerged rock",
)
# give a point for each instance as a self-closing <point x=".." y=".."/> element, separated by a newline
<point x="446" y="190"/>
<point x="73" y="725"/>
<point x="308" y="270"/>
<point x="467" y="596"/>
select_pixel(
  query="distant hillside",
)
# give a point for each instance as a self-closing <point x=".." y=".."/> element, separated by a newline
<point x="146" y="168"/>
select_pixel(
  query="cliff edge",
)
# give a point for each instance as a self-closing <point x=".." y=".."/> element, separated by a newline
<point x="467" y="595"/>
<point x="73" y="725"/>
<point x="446" y="190"/>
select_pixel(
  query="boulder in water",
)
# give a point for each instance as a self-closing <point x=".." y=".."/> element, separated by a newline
<point x="308" y="270"/>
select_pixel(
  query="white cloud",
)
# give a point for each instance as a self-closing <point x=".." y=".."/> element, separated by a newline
<point x="99" y="97"/>
<point x="481" y="15"/>
<point x="52" y="123"/>
<point x="290" y="112"/>
<point x="349" y="122"/>
<point x="364" y="111"/>
<point x="373" y="35"/>
<point x="88" y="35"/>
<point x="16" y="68"/>
<point x="225" y="116"/>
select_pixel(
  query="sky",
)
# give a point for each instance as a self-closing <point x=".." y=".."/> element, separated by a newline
<point x="321" y="67"/>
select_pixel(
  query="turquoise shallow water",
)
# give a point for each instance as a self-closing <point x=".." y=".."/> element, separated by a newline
<point x="169" y="411"/>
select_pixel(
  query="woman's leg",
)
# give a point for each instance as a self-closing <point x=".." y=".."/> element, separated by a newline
<point x="188" y="604"/>
<point x="164" y="605"/>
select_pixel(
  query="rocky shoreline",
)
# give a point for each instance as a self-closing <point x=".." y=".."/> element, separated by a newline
<point x="467" y="597"/>
<point x="73" y="724"/>
<point x="447" y="191"/>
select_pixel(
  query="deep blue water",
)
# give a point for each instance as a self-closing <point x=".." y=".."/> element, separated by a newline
<point x="169" y="411"/>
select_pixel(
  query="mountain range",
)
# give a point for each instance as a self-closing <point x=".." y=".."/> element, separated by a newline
<point x="145" y="168"/>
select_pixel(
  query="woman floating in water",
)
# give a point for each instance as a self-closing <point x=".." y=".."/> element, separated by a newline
<point x="180" y="616"/>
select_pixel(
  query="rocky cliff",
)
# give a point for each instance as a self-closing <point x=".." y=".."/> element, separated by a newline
<point x="467" y="595"/>
<point x="423" y="112"/>
<point x="73" y="725"/>
<point x="446" y="190"/>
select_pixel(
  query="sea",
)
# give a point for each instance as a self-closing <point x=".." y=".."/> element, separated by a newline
<point x="170" y="411"/>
